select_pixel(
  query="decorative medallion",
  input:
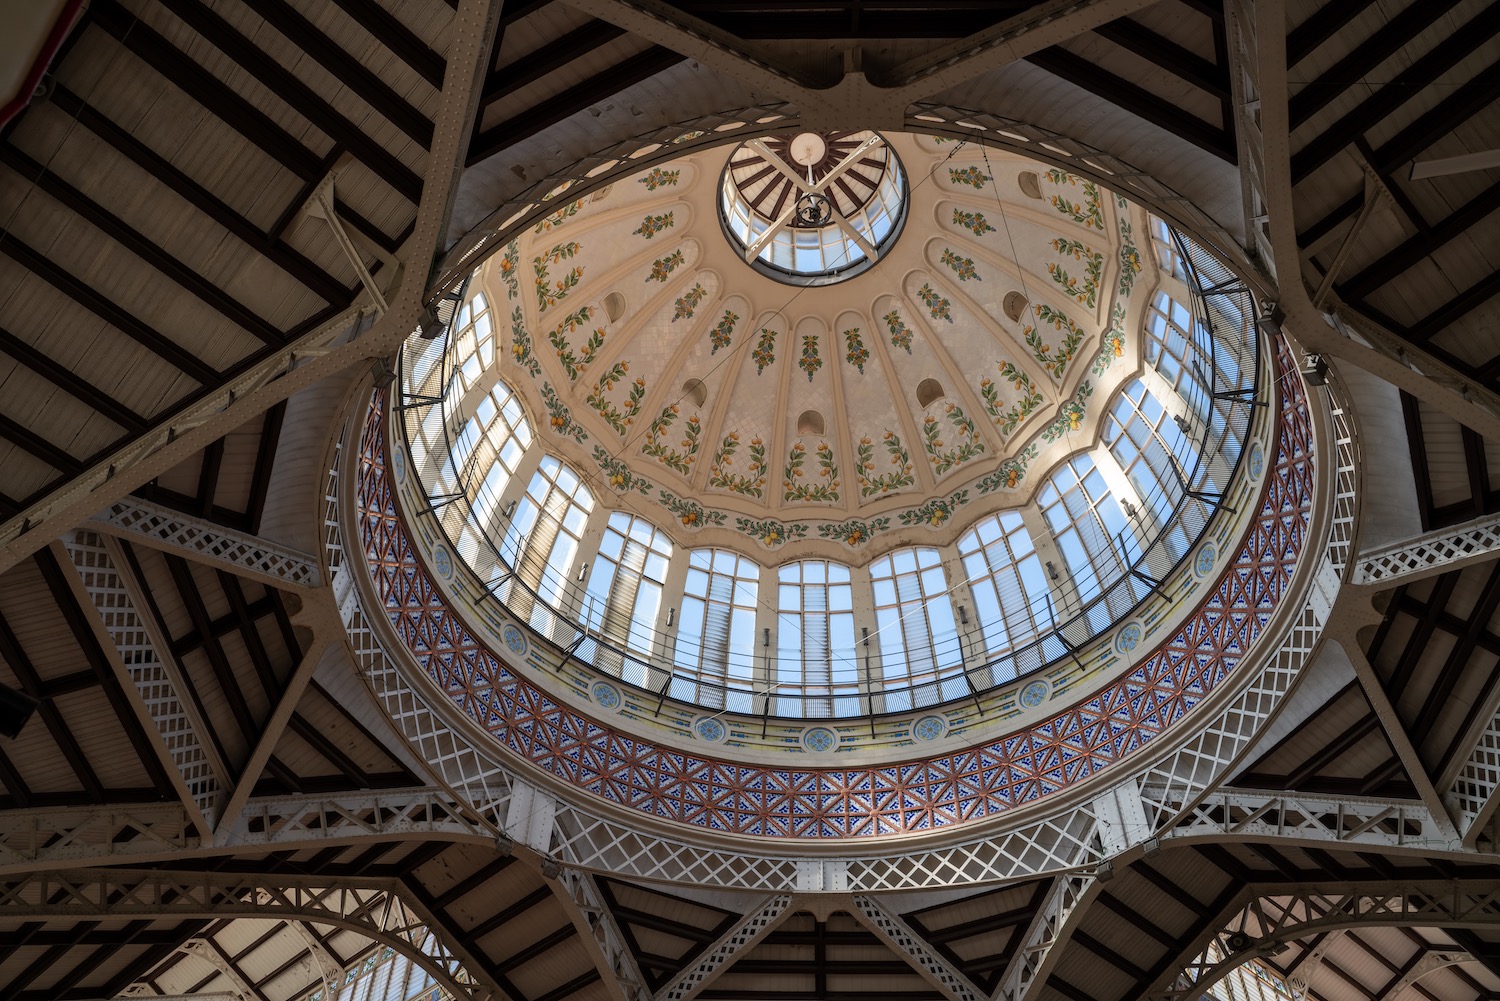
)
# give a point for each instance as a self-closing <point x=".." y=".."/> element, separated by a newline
<point x="1257" y="460"/>
<point x="819" y="739"/>
<point x="1035" y="694"/>
<point x="398" y="463"/>
<point x="442" y="561"/>
<point x="605" y="695"/>
<point x="710" y="728"/>
<point x="929" y="728"/>
<point x="1129" y="637"/>
<point x="515" y="640"/>
<point x="1203" y="565"/>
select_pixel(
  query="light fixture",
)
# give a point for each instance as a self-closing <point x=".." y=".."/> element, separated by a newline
<point x="16" y="708"/>
<point x="814" y="210"/>
<point x="551" y="868"/>
<point x="1315" y="370"/>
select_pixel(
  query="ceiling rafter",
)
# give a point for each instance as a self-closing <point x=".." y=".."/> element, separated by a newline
<point x="1137" y="100"/>
<point x="1177" y="60"/>
<point x="534" y="65"/>
<point x="623" y="75"/>
<point x="388" y="29"/>
<point x="106" y="309"/>
<point x="350" y="71"/>
<point x="70" y="382"/>
<point x="291" y="261"/>
<point x="1402" y="87"/>
<point x="298" y="96"/>
<point x="1384" y="42"/>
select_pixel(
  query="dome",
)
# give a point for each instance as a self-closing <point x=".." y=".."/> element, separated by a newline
<point x="756" y="481"/>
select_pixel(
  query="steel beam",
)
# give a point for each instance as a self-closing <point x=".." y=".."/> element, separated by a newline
<point x="733" y="943"/>
<point x="1430" y="554"/>
<point x="905" y="942"/>
<point x="1061" y="911"/>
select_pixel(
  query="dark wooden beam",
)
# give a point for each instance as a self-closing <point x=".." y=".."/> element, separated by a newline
<point x="40" y="448"/>
<point x="1183" y="63"/>
<point x="393" y="33"/>
<point x="265" y="458"/>
<point x="208" y="90"/>
<point x="550" y="57"/>
<point x="622" y="76"/>
<point x="298" y="96"/>
<point x="446" y="927"/>
<point x="289" y="260"/>
<point x="31" y="683"/>
<point x="68" y="381"/>
<point x="1386" y="41"/>
<point x="210" y="460"/>
<point x="106" y="309"/>
<point x="353" y="73"/>
<point x="1414" y="249"/>
<point x="1136" y="100"/>
<point x="1402" y="87"/>
<point x="1324" y="23"/>
<point x="1456" y="309"/>
<point x="1416" y="444"/>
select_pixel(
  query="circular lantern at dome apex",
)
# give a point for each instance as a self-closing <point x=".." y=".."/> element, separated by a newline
<point x="813" y="208"/>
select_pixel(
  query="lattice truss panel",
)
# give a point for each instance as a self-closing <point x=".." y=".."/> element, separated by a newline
<point x="374" y="908"/>
<point x="1255" y="813"/>
<point x="242" y="554"/>
<point x="153" y="679"/>
<point x="600" y="925"/>
<point x="1473" y="795"/>
<point x="735" y="941"/>
<point x="1262" y="917"/>
<point x="1432" y="553"/>
<point x="908" y="944"/>
<point x="1050" y="927"/>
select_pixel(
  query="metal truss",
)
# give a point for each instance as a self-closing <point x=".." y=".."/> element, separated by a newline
<point x="888" y="926"/>
<point x="33" y="840"/>
<point x="1050" y="929"/>
<point x="597" y="926"/>
<point x="1473" y="794"/>
<point x="172" y="531"/>
<point x="1264" y="916"/>
<point x="1431" y="554"/>
<point x="741" y="937"/>
<point x="190" y="761"/>
<point x="1227" y="814"/>
<point x="375" y="908"/>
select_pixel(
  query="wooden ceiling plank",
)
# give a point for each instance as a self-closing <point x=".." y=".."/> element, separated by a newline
<point x="1439" y="691"/>
<point x="389" y="31"/>
<point x="304" y="270"/>
<point x="106" y="309"/>
<point x="71" y="383"/>
<point x="1324" y="23"/>
<point x="192" y="600"/>
<point x="1384" y="42"/>
<point x="621" y="76"/>
<point x="31" y="683"/>
<point x="1180" y="62"/>
<point x="211" y="459"/>
<point x="1136" y="100"/>
<point x="1455" y="309"/>
<point x="15" y="785"/>
<point x="206" y="89"/>
<point x="583" y="980"/>
<point x="1402" y="87"/>
<point x="298" y="96"/>
<point x="473" y="881"/>
<point x="354" y="74"/>
<point x="1414" y="249"/>
<point x="41" y="964"/>
<point x="265" y="460"/>
<point x="34" y="444"/>
<point x="554" y="55"/>
<point x="445" y="926"/>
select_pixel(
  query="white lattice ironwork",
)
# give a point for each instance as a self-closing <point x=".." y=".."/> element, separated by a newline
<point x="1262" y="917"/>
<point x="1050" y="928"/>
<point x="741" y="937"/>
<point x="897" y="934"/>
<point x="246" y="555"/>
<point x="376" y="908"/>
<point x="1431" y="554"/>
<point x="1473" y="793"/>
<point x="154" y="679"/>
<point x="597" y="925"/>
<point x="1254" y="813"/>
<point x="55" y="838"/>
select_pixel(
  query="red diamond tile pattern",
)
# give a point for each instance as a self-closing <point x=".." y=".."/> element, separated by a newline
<point x="861" y="802"/>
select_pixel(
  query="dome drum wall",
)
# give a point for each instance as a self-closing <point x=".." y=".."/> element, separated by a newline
<point x="524" y="732"/>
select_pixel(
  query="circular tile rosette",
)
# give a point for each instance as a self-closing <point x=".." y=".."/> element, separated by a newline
<point x="1055" y="752"/>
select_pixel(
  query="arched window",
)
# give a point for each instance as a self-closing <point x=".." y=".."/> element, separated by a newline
<point x="716" y="630"/>
<point x="1011" y="595"/>
<point x="501" y="435"/>
<point x="541" y="542"/>
<point x="623" y="598"/>
<point x="1167" y="257"/>
<point x="1154" y="454"/>
<point x="1091" y="531"/>
<point x="815" y="647"/>
<point x="915" y="625"/>
<point x="473" y="340"/>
